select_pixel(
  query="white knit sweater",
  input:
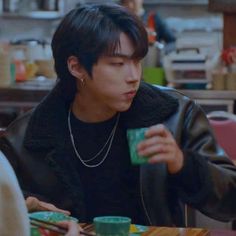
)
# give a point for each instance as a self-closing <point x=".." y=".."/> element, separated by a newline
<point x="13" y="213"/>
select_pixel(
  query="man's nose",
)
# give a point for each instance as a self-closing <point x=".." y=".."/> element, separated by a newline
<point x="134" y="72"/>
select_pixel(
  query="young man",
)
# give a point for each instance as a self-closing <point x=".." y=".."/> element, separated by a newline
<point x="72" y="149"/>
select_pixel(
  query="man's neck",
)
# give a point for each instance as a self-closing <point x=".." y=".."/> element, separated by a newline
<point x="90" y="111"/>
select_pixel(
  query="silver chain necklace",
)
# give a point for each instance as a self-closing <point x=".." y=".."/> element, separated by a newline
<point x="108" y="142"/>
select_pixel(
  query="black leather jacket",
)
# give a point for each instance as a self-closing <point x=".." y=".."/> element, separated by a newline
<point x="35" y="146"/>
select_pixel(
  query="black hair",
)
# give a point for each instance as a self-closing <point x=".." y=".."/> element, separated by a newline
<point x="91" y="31"/>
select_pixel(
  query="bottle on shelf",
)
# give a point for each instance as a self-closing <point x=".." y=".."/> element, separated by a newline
<point x="1" y="6"/>
<point x="5" y="67"/>
<point x="18" y="59"/>
<point x="11" y="6"/>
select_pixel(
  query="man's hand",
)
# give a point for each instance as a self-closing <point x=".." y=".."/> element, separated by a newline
<point x="33" y="204"/>
<point x="160" y="146"/>
<point x="73" y="228"/>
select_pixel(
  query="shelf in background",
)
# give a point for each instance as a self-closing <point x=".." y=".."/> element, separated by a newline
<point x="39" y="15"/>
<point x="177" y="2"/>
<point x="228" y="6"/>
<point x="161" y="2"/>
<point x="209" y="94"/>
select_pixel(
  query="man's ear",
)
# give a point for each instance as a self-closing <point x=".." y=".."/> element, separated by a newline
<point x="75" y="68"/>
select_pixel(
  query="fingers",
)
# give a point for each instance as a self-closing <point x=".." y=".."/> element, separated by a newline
<point x="160" y="146"/>
<point x="42" y="206"/>
<point x="31" y="203"/>
<point x="73" y="228"/>
<point x="151" y="141"/>
<point x="159" y="130"/>
<point x="158" y="140"/>
<point x="34" y="204"/>
<point x="149" y="150"/>
<point x="159" y="158"/>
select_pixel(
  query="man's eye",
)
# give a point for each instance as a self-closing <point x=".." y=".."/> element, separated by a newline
<point x="117" y="63"/>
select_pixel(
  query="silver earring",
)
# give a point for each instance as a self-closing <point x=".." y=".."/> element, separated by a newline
<point x="82" y="82"/>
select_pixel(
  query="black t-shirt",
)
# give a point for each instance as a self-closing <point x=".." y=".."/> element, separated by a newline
<point x="113" y="187"/>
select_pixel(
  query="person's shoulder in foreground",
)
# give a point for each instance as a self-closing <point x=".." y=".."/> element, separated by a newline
<point x="14" y="219"/>
<point x="13" y="214"/>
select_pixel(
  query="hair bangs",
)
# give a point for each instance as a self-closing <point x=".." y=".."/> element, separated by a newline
<point x="111" y="42"/>
<point x="139" y="38"/>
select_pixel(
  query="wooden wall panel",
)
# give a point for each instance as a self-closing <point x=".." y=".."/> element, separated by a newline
<point x="222" y="5"/>
<point x="228" y="8"/>
<point x="229" y="31"/>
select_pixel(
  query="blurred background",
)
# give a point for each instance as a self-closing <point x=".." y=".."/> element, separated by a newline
<point x="200" y="56"/>
<point x="197" y="54"/>
<point x="26" y="28"/>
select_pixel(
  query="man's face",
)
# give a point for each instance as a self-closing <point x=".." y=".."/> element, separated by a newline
<point x="133" y="5"/>
<point x="115" y="79"/>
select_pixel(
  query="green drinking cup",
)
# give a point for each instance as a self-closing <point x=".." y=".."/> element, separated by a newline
<point x="112" y="225"/>
<point x="135" y="136"/>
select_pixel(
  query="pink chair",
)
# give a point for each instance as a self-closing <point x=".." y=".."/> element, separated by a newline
<point x="224" y="126"/>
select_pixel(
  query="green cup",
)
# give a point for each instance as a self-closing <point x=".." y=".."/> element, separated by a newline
<point x="112" y="225"/>
<point x="135" y="136"/>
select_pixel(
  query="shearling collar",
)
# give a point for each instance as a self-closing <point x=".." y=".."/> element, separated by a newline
<point x="48" y="124"/>
<point x="151" y="106"/>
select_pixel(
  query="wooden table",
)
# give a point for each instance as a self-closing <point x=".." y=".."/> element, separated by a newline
<point x="228" y="8"/>
<point x="167" y="231"/>
<point x="172" y="231"/>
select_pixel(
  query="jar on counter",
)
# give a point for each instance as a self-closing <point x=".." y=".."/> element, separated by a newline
<point x="49" y="5"/>
<point x="1" y="6"/>
<point x="219" y="79"/>
<point x="231" y="81"/>
<point x="5" y="67"/>
<point x="218" y="82"/>
<point x="11" y="5"/>
<point x="18" y="59"/>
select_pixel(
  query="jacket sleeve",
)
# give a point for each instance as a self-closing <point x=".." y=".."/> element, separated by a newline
<point x="11" y="155"/>
<point x="207" y="180"/>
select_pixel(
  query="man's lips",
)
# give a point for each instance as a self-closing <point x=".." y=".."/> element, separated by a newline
<point x="130" y="94"/>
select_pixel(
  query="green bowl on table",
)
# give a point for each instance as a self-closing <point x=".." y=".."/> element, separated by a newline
<point x="49" y="216"/>
<point x="112" y="225"/>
